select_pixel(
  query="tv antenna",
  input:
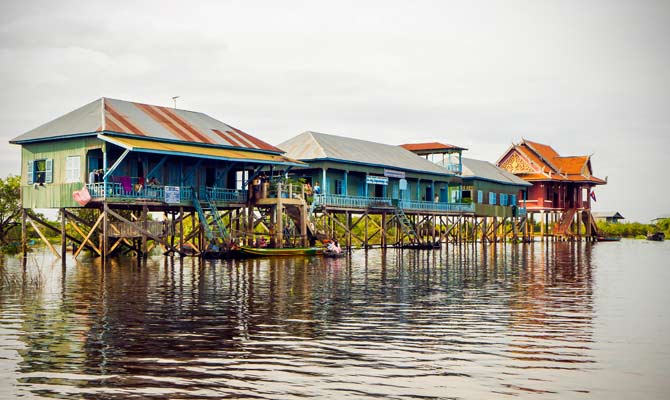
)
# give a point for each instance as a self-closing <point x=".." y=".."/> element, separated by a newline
<point x="174" y="98"/>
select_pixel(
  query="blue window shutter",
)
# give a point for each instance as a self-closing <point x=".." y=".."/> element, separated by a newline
<point x="480" y="196"/>
<point x="29" y="172"/>
<point x="49" y="171"/>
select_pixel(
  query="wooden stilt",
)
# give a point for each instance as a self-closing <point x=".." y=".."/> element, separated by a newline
<point x="24" y="233"/>
<point x="44" y="238"/>
<point x="63" y="242"/>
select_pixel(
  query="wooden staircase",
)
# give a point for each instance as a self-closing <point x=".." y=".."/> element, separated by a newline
<point x="562" y="227"/>
<point x="407" y="227"/>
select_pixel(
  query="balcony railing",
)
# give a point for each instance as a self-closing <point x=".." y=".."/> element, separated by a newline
<point x="368" y="202"/>
<point x="226" y="195"/>
<point x="432" y="206"/>
<point x="157" y="192"/>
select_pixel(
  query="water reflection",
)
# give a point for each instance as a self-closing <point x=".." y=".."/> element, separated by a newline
<point x="467" y="321"/>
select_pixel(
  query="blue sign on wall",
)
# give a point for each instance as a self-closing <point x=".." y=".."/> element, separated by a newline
<point x="377" y="180"/>
<point x="172" y="194"/>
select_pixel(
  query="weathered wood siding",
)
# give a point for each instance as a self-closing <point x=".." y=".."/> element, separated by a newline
<point x="57" y="193"/>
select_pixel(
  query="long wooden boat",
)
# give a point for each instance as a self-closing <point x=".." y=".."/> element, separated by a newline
<point x="290" y="251"/>
<point x="609" y="238"/>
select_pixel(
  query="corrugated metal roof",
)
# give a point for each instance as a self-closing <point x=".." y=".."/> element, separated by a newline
<point x="485" y="170"/>
<point x="320" y="146"/>
<point x="195" y="150"/>
<point x="111" y="115"/>
<point x="607" y="214"/>
<point x="430" y="147"/>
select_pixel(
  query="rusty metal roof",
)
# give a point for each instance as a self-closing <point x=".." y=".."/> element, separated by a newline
<point x="431" y="147"/>
<point x="130" y="118"/>
<point x="310" y="146"/>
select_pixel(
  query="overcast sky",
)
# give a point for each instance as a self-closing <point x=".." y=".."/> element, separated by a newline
<point x="582" y="76"/>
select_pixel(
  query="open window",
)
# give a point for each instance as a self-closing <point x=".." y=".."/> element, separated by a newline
<point x="40" y="171"/>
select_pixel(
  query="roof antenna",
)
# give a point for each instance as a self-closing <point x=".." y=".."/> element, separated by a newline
<point x="174" y="98"/>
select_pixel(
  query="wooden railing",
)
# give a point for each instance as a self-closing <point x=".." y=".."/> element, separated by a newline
<point x="116" y="190"/>
<point x="372" y="202"/>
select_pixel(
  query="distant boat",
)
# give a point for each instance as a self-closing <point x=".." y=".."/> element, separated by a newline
<point x="657" y="237"/>
<point x="291" y="251"/>
<point x="609" y="238"/>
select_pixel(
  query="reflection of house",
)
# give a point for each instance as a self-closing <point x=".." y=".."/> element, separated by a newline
<point x="562" y="186"/>
<point x="149" y="158"/>
<point x="608" y="216"/>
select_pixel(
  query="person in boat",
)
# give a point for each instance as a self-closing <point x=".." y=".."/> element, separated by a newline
<point x="334" y="247"/>
<point x="262" y="243"/>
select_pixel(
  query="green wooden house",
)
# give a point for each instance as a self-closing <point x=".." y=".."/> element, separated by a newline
<point x="133" y="154"/>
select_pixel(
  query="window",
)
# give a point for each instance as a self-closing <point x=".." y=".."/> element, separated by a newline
<point x="480" y="197"/>
<point x="338" y="187"/>
<point x="512" y="199"/>
<point x="503" y="199"/>
<point x="492" y="198"/>
<point x="72" y="173"/>
<point x="40" y="171"/>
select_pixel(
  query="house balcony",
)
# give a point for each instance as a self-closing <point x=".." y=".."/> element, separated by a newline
<point x="361" y="202"/>
<point x="164" y="194"/>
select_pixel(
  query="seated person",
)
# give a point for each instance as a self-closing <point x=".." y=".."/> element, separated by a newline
<point x="153" y="181"/>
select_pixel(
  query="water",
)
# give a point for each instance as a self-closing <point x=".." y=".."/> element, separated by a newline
<point x="550" y="321"/>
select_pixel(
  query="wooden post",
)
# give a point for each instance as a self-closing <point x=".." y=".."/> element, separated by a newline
<point x="144" y="226"/>
<point x="63" y="242"/>
<point x="303" y="224"/>
<point x="348" y="229"/>
<point x="279" y="215"/>
<point x="24" y="232"/>
<point x="181" y="230"/>
<point x="105" y="231"/>
<point x="383" y="230"/>
<point x="366" y="216"/>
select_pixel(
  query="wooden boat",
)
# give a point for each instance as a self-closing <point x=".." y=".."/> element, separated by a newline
<point x="332" y="254"/>
<point x="289" y="251"/>
<point x="608" y="238"/>
<point x="657" y="237"/>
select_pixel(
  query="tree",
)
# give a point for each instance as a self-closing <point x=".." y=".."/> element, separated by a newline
<point x="10" y="205"/>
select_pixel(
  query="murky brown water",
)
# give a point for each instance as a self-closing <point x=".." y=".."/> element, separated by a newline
<point x="542" y="321"/>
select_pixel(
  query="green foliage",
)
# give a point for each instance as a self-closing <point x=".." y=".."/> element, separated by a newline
<point x="628" y="230"/>
<point x="10" y="206"/>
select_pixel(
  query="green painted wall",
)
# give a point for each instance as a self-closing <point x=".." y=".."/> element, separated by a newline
<point x="58" y="193"/>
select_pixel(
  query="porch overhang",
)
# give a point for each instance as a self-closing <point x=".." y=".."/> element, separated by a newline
<point x="193" y="150"/>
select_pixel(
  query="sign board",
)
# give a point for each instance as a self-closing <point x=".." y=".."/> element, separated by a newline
<point x="172" y="194"/>
<point x="394" y="174"/>
<point x="377" y="180"/>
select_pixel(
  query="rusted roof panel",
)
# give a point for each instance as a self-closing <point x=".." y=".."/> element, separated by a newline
<point x="147" y="120"/>
<point x="430" y="147"/>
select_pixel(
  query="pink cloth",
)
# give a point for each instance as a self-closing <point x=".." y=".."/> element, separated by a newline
<point x="82" y="197"/>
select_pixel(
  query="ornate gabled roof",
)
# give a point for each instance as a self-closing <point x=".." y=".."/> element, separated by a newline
<point x="534" y="161"/>
<point x="137" y="119"/>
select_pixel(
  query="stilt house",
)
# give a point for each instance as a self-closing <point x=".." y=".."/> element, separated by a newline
<point x="562" y="187"/>
<point x="115" y="154"/>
